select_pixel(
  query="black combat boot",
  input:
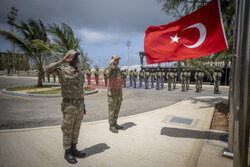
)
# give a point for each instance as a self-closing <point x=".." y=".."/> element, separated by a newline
<point x="118" y="126"/>
<point x="77" y="153"/>
<point x="113" y="129"/>
<point x="69" y="157"/>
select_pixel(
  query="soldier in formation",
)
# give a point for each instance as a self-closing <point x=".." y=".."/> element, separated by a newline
<point x="198" y="78"/>
<point x="202" y="78"/>
<point x="114" y="75"/>
<point x="73" y="107"/>
<point x="124" y="77"/>
<point x="88" y="75"/>
<point x="217" y="77"/>
<point x="174" y="79"/>
<point x="169" y="78"/>
<point x="152" y="77"/>
<point x="146" y="77"/>
<point x="141" y="77"/>
<point x="158" y="79"/>
<point x="105" y="76"/>
<point x="188" y="73"/>
<point x="131" y="78"/>
<point x="183" y="80"/>
<point x="97" y="76"/>
<point x="135" y="74"/>
<point x="163" y="74"/>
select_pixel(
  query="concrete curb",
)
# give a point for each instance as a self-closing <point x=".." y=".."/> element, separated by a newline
<point x="13" y="93"/>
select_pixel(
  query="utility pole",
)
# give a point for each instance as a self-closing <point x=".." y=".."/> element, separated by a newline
<point x="128" y="45"/>
<point x="11" y="18"/>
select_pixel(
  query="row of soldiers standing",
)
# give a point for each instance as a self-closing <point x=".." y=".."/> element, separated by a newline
<point x="158" y="76"/>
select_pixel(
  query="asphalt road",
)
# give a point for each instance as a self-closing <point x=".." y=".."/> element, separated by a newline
<point x="22" y="112"/>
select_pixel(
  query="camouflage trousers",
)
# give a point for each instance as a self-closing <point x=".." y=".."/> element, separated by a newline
<point x="71" y="123"/>
<point x="114" y="105"/>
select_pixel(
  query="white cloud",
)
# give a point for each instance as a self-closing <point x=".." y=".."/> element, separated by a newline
<point x="95" y="37"/>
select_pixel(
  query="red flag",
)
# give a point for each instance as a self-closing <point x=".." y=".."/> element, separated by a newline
<point x="198" y="34"/>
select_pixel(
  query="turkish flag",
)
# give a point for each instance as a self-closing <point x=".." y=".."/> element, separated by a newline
<point x="198" y="34"/>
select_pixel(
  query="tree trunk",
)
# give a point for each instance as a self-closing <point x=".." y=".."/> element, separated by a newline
<point x="40" y="80"/>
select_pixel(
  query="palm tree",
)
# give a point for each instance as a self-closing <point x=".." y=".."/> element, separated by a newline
<point x="33" y="30"/>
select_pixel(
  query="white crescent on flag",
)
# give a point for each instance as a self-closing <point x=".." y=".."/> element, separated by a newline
<point x="203" y="33"/>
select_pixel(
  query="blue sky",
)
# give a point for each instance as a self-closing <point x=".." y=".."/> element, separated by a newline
<point x="104" y="26"/>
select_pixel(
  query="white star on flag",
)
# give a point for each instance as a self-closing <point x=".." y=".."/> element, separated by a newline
<point x="175" y="39"/>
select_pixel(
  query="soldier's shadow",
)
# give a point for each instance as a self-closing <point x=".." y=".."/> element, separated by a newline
<point x="96" y="149"/>
<point x="128" y="125"/>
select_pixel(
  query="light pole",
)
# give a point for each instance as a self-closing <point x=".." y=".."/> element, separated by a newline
<point x="11" y="18"/>
<point x="128" y="45"/>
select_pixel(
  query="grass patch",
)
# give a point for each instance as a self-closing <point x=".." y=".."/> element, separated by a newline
<point x="57" y="91"/>
<point x="30" y="87"/>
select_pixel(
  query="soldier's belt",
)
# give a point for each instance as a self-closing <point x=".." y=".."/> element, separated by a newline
<point x="73" y="101"/>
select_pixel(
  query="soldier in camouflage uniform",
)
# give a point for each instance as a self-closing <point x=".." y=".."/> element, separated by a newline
<point x="188" y="73"/>
<point x="217" y="77"/>
<point x="183" y="80"/>
<point x="202" y="78"/>
<point x="135" y="74"/>
<point x="88" y="75"/>
<point x="152" y="76"/>
<point x="131" y="78"/>
<point x="169" y="78"/>
<point x="141" y="77"/>
<point x="174" y="79"/>
<point x="198" y="77"/>
<point x="162" y="78"/>
<point x="105" y="77"/>
<point x="97" y="76"/>
<point x="54" y="77"/>
<point x="73" y="108"/>
<point x="158" y="79"/>
<point x="146" y="77"/>
<point x="124" y="77"/>
<point x="114" y="75"/>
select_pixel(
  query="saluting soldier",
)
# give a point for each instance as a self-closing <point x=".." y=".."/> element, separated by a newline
<point x="146" y="77"/>
<point x="73" y="107"/>
<point x="217" y="77"/>
<point x="114" y="75"/>
<point x="141" y="77"/>
<point x="183" y="80"/>
<point x="188" y="79"/>
<point x="169" y="78"/>
<point x="88" y="75"/>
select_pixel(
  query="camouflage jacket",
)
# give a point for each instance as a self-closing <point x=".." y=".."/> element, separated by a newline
<point x="71" y="80"/>
<point x="115" y="83"/>
<point x="88" y="74"/>
<point x="146" y="75"/>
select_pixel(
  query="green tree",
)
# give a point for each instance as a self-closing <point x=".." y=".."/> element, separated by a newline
<point x="85" y="61"/>
<point x="33" y="30"/>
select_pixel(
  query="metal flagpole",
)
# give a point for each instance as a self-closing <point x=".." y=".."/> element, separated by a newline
<point x="242" y="94"/>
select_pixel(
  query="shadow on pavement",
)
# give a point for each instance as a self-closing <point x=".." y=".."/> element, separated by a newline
<point x="96" y="149"/>
<point x="196" y="134"/>
<point x="209" y="101"/>
<point x="128" y="125"/>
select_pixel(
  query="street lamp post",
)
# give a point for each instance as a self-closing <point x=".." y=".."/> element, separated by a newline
<point x="128" y="45"/>
<point x="11" y="18"/>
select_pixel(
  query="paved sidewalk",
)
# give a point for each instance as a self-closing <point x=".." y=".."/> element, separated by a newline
<point x="150" y="139"/>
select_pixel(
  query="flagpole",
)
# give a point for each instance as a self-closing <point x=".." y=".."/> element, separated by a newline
<point x="242" y="87"/>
